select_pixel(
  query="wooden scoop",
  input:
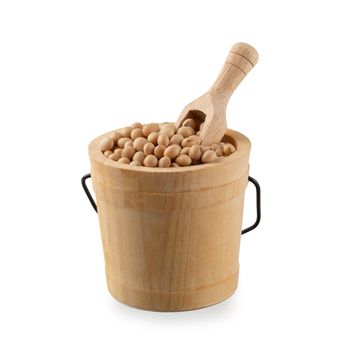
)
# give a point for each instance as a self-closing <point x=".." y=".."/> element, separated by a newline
<point x="211" y="107"/>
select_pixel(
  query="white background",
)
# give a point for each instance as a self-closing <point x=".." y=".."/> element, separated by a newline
<point x="71" y="70"/>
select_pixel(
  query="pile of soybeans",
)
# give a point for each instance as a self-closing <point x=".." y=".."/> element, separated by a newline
<point x="162" y="145"/>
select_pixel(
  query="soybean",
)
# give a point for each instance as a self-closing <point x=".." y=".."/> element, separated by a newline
<point x="139" y="156"/>
<point x="136" y="133"/>
<point x="149" y="128"/>
<point x="124" y="160"/>
<point x="191" y="141"/>
<point x="128" y="152"/>
<point x="183" y="160"/>
<point x="123" y="141"/>
<point x="150" y="161"/>
<point x="153" y="137"/>
<point x="195" y="152"/>
<point x="229" y="149"/>
<point x="106" y="144"/>
<point x="186" y="131"/>
<point x="135" y="163"/>
<point x="139" y="143"/>
<point x="163" y="140"/>
<point x="189" y="122"/>
<point x="172" y="151"/>
<point x="208" y="156"/>
<point x="164" y="162"/>
<point x="148" y="148"/>
<point x="176" y="139"/>
<point x="159" y="151"/>
<point x="126" y="132"/>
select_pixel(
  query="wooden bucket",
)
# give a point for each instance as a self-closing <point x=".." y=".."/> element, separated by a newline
<point x="171" y="236"/>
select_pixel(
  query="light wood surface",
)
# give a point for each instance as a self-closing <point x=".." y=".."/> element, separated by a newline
<point x="212" y="105"/>
<point x="171" y="236"/>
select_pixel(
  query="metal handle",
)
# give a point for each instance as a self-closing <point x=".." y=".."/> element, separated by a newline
<point x="252" y="180"/>
<point x="87" y="192"/>
<point x="258" y="206"/>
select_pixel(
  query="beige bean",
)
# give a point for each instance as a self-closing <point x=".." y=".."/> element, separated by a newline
<point x="126" y="132"/>
<point x="123" y="141"/>
<point x="135" y="163"/>
<point x="190" y="122"/>
<point x="208" y="156"/>
<point x="149" y="128"/>
<point x="136" y="133"/>
<point x="108" y="153"/>
<point x="185" y="150"/>
<point x="106" y="144"/>
<point x="172" y="151"/>
<point x="116" y="135"/>
<point x="159" y="151"/>
<point x="186" y="131"/>
<point x="153" y="137"/>
<point x="170" y="126"/>
<point x="191" y="141"/>
<point x="195" y="152"/>
<point x="183" y="160"/>
<point x="139" y="156"/>
<point x="128" y="152"/>
<point x="219" y="152"/>
<point x="167" y="130"/>
<point x="164" y="162"/>
<point x="124" y="160"/>
<point x="163" y="140"/>
<point x="114" y="156"/>
<point x="175" y="165"/>
<point x="136" y="126"/>
<point x="150" y="161"/>
<point x="176" y="139"/>
<point x="222" y="145"/>
<point x="118" y="152"/>
<point x="129" y="143"/>
<point x="139" y="143"/>
<point x="148" y="148"/>
<point x="215" y="146"/>
<point x="229" y="149"/>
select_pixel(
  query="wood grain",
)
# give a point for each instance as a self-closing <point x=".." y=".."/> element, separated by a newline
<point x="171" y="236"/>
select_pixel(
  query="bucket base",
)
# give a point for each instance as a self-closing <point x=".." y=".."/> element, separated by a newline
<point x="173" y="301"/>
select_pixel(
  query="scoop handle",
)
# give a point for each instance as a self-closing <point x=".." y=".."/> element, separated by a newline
<point x="241" y="59"/>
